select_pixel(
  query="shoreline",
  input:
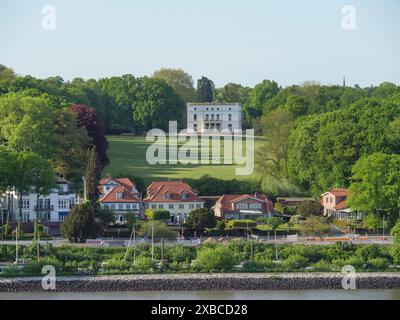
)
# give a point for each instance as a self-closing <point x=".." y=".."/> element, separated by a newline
<point x="202" y="282"/>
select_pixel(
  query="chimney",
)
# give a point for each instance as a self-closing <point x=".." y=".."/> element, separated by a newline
<point x="256" y="195"/>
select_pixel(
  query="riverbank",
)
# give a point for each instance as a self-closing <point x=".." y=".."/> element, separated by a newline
<point x="204" y="282"/>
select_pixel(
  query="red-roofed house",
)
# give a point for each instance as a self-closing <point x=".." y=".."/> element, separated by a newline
<point x="175" y="196"/>
<point x="243" y="206"/>
<point x="121" y="196"/>
<point x="334" y="203"/>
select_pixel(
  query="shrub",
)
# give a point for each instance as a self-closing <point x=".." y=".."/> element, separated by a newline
<point x="378" y="264"/>
<point x="144" y="264"/>
<point x="322" y="266"/>
<point x="370" y="251"/>
<point x="294" y="262"/>
<point x="180" y="254"/>
<point x="115" y="265"/>
<point x="242" y="224"/>
<point x="35" y="267"/>
<point x="218" y="259"/>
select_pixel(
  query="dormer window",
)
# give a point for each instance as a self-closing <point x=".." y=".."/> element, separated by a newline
<point x="183" y="195"/>
<point x="167" y="196"/>
<point x="120" y="195"/>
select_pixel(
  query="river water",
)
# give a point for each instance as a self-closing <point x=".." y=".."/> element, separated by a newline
<point x="213" y="295"/>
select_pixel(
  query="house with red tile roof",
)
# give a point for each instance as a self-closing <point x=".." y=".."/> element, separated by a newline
<point x="335" y="205"/>
<point x="243" y="206"/>
<point x="121" y="196"/>
<point x="177" y="197"/>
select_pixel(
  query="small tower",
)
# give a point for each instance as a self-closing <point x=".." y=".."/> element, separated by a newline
<point x="344" y="82"/>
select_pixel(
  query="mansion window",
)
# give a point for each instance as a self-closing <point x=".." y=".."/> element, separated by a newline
<point x="255" y="205"/>
<point x="25" y="204"/>
<point x="63" y="204"/>
<point x="154" y="206"/>
<point x="160" y="206"/>
<point x="181" y="206"/>
<point x="241" y="206"/>
<point x="120" y="206"/>
<point x="191" y="206"/>
<point x="171" y="206"/>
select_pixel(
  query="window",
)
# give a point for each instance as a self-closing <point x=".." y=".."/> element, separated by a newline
<point x="195" y="127"/>
<point x="191" y="206"/>
<point x="167" y="196"/>
<point x="198" y="206"/>
<point x="128" y="207"/>
<point x="154" y="206"/>
<point x="181" y="206"/>
<point x="230" y="127"/>
<point x="255" y="205"/>
<point x="230" y="117"/>
<point x="241" y="206"/>
<point x="217" y="116"/>
<point x="63" y="204"/>
<point x="212" y="117"/>
<point x="113" y="206"/>
<point x="25" y="217"/>
<point x="183" y="195"/>
<point x="120" y="195"/>
<point x="207" y="116"/>
<point x="160" y="206"/>
<point x="170" y="206"/>
<point x="25" y="204"/>
<point x="120" y="206"/>
<point x="195" y="117"/>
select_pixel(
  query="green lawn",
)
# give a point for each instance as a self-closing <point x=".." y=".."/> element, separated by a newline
<point x="128" y="156"/>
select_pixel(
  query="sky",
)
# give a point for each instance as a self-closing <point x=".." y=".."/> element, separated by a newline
<point x="242" y="41"/>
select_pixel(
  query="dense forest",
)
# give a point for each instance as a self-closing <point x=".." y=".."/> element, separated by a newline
<point x="315" y="136"/>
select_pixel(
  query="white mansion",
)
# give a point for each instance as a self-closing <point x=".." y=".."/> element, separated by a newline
<point x="53" y="207"/>
<point x="214" y="117"/>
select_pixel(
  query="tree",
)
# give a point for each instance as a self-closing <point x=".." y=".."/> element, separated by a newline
<point x="156" y="103"/>
<point x="395" y="250"/>
<point x="232" y="93"/>
<point x="6" y="73"/>
<point x="205" y="90"/>
<point x="201" y="218"/>
<point x="92" y="176"/>
<point x="315" y="226"/>
<point x="158" y="228"/>
<point x="309" y="208"/>
<point x="79" y="224"/>
<point x="258" y="99"/>
<point x="94" y="124"/>
<point x="26" y="124"/>
<point x="271" y="157"/>
<point x="375" y="185"/>
<point x="70" y="147"/>
<point x="180" y="81"/>
<point x="42" y="179"/>
<point x="8" y="170"/>
<point x="220" y="226"/>
<point x="157" y="214"/>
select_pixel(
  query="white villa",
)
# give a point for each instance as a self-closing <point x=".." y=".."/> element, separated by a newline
<point x="209" y="118"/>
<point x="53" y="207"/>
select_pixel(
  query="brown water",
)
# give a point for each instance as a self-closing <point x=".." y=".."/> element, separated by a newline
<point x="213" y="295"/>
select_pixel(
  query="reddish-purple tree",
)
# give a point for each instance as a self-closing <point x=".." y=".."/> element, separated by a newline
<point x="96" y="129"/>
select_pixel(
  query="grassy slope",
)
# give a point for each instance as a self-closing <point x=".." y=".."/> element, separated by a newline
<point x="128" y="156"/>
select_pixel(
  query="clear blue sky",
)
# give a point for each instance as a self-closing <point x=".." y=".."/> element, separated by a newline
<point x="242" y="41"/>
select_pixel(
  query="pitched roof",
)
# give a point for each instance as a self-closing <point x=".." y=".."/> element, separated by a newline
<point x="124" y="181"/>
<point x="227" y="199"/>
<point x="158" y="189"/>
<point x="338" y="192"/>
<point x="341" y="205"/>
<point x="127" y="195"/>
